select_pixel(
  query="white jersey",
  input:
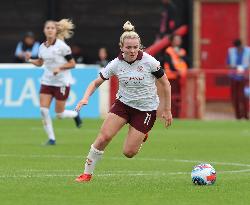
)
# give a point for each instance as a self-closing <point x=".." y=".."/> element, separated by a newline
<point x="54" y="57"/>
<point x="137" y="87"/>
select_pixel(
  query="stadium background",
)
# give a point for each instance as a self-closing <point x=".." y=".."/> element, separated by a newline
<point x="102" y="21"/>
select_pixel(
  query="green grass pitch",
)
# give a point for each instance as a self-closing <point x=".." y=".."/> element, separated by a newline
<point x="33" y="174"/>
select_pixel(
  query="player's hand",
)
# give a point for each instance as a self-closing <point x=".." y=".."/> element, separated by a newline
<point x="80" y="104"/>
<point x="167" y="116"/>
<point x="56" y="71"/>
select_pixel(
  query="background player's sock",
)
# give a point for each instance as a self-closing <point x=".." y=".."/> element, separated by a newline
<point x="93" y="157"/>
<point x="47" y="122"/>
<point x="67" y="114"/>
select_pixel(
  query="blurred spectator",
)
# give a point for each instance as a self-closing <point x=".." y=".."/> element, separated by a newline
<point x="77" y="53"/>
<point x="238" y="60"/>
<point x="175" y="64"/>
<point x="175" y="59"/>
<point x="168" y="21"/>
<point x="102" y="57"/>
<point x="27" y="45"/>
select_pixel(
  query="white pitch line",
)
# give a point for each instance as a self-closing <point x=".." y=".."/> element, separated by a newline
<point x="42" y="156"/>
<point x="122" y="172"/>
<point x="123" y="158"/>
<point x="104" y="174"/>
<point x="129" y="173"/>
<point x="219" y="163"/>
<point x="235" y="171"/>
<point x="185" y="161"/>
<point x="35" y="176"/>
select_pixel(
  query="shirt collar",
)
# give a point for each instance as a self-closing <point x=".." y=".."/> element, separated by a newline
<point x="53" y="43"/>
<point x="139" y="56"/>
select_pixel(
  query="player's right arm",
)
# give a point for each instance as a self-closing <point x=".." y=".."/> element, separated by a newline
<point x="37" y="62"/>
<point x="90" y="90"/>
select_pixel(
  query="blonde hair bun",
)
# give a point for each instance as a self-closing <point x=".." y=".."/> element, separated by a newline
<point x="128" y="26"/>
<point x="129" y="32"/>
<point x="65" y="27"/>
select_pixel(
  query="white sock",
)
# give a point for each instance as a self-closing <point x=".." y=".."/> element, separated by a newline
<point x="47" y="123"/>
<point x="67" y="114"/>
<point x="93" y="157"/>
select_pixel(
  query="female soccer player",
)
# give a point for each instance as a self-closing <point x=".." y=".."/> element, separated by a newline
<point x="56" y="56"/>
<point x="137" y="99"/>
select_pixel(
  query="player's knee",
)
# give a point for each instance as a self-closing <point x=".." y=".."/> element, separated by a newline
<point x="129" y="153"/>
<point x="59" y="115"/>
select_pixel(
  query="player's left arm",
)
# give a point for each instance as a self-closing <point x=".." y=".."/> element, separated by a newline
<point x="67" y="54"/>
<point x="69" y="65"/>
<point x="163" y="80"/>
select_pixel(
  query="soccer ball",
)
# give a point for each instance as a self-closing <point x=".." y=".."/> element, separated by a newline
<point x="203" y="174"/>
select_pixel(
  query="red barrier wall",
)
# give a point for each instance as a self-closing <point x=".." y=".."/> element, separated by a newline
<point x="248" y="20"/>
<point x="163" y="43"/>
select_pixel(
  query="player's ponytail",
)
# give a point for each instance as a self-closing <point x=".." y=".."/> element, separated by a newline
<point x="129" y="32"/>
<point x="64" y="29"/>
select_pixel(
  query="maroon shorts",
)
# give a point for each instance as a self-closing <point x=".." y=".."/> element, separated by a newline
<point x="59" y="93"/>
<point x="142" y="121"/>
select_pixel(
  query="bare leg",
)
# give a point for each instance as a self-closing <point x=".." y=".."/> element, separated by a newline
<point x="61" y="112"/>
<point x="45" y="100"/>
<point x="109" y="129"/>
<point x="133" y="142"/>
<point x="60" y="106"/>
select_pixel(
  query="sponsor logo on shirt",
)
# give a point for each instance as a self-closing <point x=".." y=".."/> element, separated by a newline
<point x="134" y="80"/>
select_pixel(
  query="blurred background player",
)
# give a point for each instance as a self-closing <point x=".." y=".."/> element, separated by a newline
<point x="27" y="45"/>
<point x="56" y="56"/>
<point x="137" y="99"/>
<point x="238" y="59"/>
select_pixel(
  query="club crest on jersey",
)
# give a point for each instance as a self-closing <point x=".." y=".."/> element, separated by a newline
<point x="122" y="70"/>
<point x="140" y="68"/>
